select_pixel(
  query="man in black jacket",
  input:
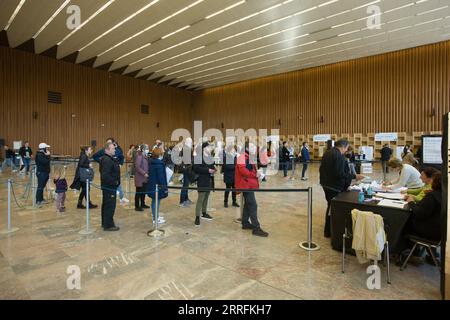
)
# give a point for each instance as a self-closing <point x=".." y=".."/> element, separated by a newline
<point x="110" y="180"/>
<point x="25" y="153"/>
<point x="386" y="154"/>
<point x="335" y="176"/>
<point x="42" y="172"/>
<point x="284" y="159"/>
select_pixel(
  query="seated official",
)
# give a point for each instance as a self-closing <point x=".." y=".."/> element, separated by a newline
<point x="417" y="195"/>
<point x="409" y="176"/>
<point x="425" y="219"/>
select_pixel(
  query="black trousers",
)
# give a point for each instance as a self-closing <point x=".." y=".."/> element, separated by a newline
<point x="227" y="193"/>
<point x="108" y="207"/>
<point x="82" y="193"/>
<point x="329" y="195"/>
<point x="250" y="210"/>
<point x="139" y="198"/>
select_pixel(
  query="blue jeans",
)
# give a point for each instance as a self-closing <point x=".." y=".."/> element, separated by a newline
<point x="184" y="195"/>
<point x="285" y="166"/>
<point x="154" y="208"/>
<point x="119" y="189"/>
<point x="10" y="163"/>
<point x="42" y="182"/>
<point x="26" y="163"/>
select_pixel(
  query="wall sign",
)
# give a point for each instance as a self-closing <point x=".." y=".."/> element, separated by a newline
<point x="321" y="137"/>
<point x="386" y="136"/>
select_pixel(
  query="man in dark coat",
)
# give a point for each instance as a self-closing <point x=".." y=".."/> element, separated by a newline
<point x="386" y="154"/>
<point x="42" y="172"/>
<point x="77" y="184"/>
<point x="110" y="181"/>
<point x="229" y="169"/>
<point x="335" y="176"/>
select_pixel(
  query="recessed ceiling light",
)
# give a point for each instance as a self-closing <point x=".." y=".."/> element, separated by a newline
<point x="13" y="16"/>
<point x="51" y="18"/>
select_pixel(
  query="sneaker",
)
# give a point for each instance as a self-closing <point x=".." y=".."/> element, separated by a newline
<point x="112" y="229"/>
<point x="197" y="221"/>
<point x="236" y="205"/>
<point x="124" y="201"/>
<point x="93" y="206"/>
<point x="260" y="233"/>
<point x="161" y="220"/>
<point x="225" y="204"/>
<point x="44" y="202"/>
<point x="81" y="206"/>
<point x="206" y="216"/>
<point x="145" y="206"/>
<point x="184" y="205"/>
<point x="189" y="201"/>
<point x="292" y="179"/>
<point x="139" y="209"/>
<point x="304" y="179"/>
<point x="248" y="227"/>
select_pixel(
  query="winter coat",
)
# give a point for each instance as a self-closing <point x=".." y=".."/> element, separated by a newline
<point x="83" y="162"/>
<point x="109" y="172"/>
<point x="204" y="177"/>
<point x="229" y="167"/>
<point x="157" y="176"/>
<point x="426" y="221"/>
<point x="305" y="155"/>
<point x="334" y="171"/>
<point x="140" y="169"/>
<point x="246" y="174"/>
<point x="42" y="162"/>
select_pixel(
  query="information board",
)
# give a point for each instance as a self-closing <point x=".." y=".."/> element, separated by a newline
<point x="431" y="149"/>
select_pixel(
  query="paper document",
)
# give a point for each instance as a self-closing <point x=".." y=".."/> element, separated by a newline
<point x="392" y="196"/>
<point x="392" y="203"/>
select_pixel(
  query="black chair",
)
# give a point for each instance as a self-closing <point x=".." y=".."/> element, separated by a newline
<point x="424" y="243"/>
<point x="349" y="236"/>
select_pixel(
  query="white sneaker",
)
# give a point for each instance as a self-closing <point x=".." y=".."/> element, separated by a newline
<point x="160" y="221"/>
<point x="124" y="201"/>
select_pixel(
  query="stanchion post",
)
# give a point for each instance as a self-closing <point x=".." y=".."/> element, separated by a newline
<point x="33" y="185"/>
<point x="156" y="232"/>
<point x="10" y="228"/>
<point x="309" y="245"/>
<point x="88" y="229"/>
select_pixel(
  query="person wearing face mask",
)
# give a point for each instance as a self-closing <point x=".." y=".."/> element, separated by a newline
<point x="110" y="181"/>
<point x="204" y="167"/>
<point x="409" y="176"/>
<point x="42" y="172"/>
<point x="83" y="163"/>
<point x="140" y="177"/>
<point x="247" y="177"/>
<point x="228" y="167"/>
<point x="157" y="176"/>
<point x="186" y="165"/>
<point x="335" y="176"/>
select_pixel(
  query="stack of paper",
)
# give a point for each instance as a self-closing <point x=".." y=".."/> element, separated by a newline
<point x="391" y="196"/>
<point x="392" y="203"/>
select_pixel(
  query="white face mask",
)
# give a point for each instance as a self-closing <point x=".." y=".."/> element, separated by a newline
<point x="252" y="149"/>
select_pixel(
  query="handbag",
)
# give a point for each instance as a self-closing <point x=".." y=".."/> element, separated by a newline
<point x="86" y="174"/>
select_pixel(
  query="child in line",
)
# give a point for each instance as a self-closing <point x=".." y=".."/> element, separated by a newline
<point x="60" y="182"/>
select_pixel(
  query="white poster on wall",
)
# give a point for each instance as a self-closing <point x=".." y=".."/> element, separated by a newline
<point x="386" y="136"/>
<point x="431" y="150"/>
<point x="399" y="151"/>
<point x="17" y="145"/>
<point x="321" y="137"/>
<point x="367" y="151"/>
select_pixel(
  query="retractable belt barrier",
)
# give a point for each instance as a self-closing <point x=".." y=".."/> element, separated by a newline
<point x="308" y="245"/>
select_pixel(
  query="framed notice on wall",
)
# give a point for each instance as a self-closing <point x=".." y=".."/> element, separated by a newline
<point x="386" y="136"/>
<point x="321" y="137"/>
<point x="431" y="150"/>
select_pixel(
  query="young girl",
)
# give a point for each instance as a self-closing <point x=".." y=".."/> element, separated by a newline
<point x="60" y="182"/>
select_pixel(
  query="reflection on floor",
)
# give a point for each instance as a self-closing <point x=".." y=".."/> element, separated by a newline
<point x="216" y="261"/>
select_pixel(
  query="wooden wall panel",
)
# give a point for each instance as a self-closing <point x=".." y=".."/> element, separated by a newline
<point x="95" y="97"/>
<point x="391" y="92"/>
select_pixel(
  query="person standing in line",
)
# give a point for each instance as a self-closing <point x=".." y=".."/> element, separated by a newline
<point x="204" y="167"/>
<point x="9" y="159"/>
<point x="141" y="175"/>
<point x="247" y="177"/>
<point x="60" y="189"/>
<point x="186" y="167"/>
<point x="263" y="161"/>
<point x="335" y="176"/>
<point x="305" y="158"/>
<point x="284" y="159"/>
<point x="131" y="156"/>
<point x="42" y="172"/>
<point x="386" y="154"/>
<point x="83" y="163"/>
<point x="292" y="159"/>
<point x="110" y="181"/>
<point x="120" y="158"/>
<point x="228" y="167"/>
<point x="25" y="152"/>
<point x="157" y="176"/>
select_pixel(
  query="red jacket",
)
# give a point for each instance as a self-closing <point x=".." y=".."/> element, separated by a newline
<point x="244" y="178"/>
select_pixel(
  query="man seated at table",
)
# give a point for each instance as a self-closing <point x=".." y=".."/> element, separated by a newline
<point x="417" y="195"/>
<point x="409" y="176"/>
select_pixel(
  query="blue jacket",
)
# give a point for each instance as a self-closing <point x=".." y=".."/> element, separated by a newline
<point x="157" y="176"/>
<point x="305" y="155"/>
<point x="118" y="155"/>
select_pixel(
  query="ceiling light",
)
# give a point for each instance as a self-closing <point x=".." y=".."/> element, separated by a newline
<point x="13" y="16"/>
<point x="51" y="18"/>
<point x="226" y="9"/>
<point x="172" y="33"/>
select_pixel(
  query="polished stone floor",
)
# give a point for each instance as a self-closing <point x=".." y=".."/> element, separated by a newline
<point x="216" y="261"/>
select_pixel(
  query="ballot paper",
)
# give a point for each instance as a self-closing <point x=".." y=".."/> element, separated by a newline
<point x="391" y="196"/>
<point x="392" y="203"/>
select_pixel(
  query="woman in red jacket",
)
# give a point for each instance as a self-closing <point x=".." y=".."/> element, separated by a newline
<point x="246" y="177"/>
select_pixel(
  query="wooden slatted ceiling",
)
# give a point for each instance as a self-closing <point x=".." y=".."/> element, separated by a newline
<point x="95" y="97"/>
<point x="390" y="92"/>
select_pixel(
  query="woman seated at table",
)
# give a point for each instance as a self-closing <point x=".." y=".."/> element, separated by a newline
<point x="409" y="176"/>
<point x="425" y="219"/>
<point x="417" y="195"/>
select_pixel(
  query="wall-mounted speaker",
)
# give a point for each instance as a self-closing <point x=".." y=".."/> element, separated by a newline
<point x="222" y="125"/>
<point x="35" y="115"/>
<point x="94" y="143"/>
<point x="322" y="120"/>
<point x="157" y="124"/>
<point x="279" y="122"/>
